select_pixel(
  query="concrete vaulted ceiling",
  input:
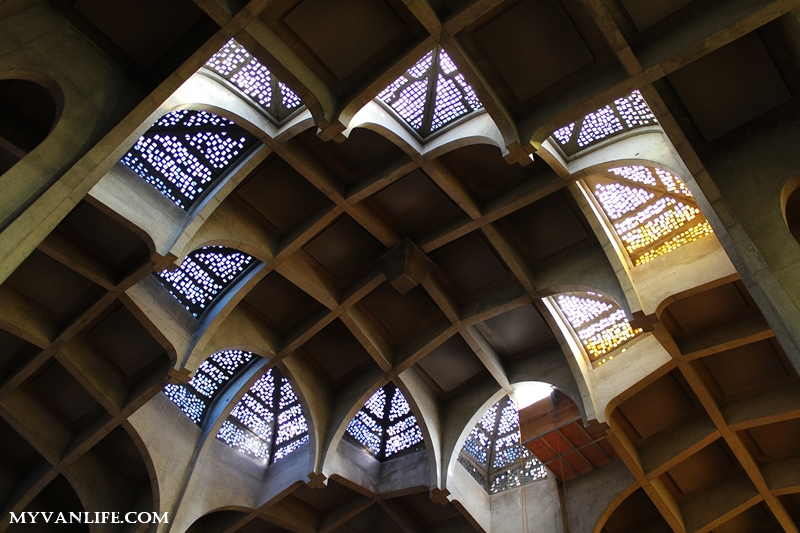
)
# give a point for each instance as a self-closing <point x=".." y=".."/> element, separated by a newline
<point x="692" y="427"/>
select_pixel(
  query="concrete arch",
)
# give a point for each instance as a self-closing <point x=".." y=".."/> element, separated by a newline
<point x="219" y="519"/>
<point x="148" y="461"/>
<point x="248" y="484"/>
<point x="368" y="472"/>
<point x="686" y="267"/>
<point x="479" y="129"/>
<point x="173" y="230"/>
<point x="790" y="204"/>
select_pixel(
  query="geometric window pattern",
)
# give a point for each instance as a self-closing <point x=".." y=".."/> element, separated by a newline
<point x="598" y="322"/>
<point x="239" y="68"/>
<point x="431" y="94"/>
<point x="493" y="453"/>
<point x="624" y="114"/>
<point x="651" y="209"/>
<point x="203" y="275"/>
<point x="194" y="397"/>
<point x="268" y="422"/>
<point x="185" y="151"/>
<point x="385" y="425"/>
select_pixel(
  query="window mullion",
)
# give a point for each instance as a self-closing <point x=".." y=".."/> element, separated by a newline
<point x="430" y="97"/>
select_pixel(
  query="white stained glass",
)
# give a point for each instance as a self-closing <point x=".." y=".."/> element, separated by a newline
<point x="211" y="375"/>
<point x="234" y="63"/>
<point x="267" y="418"/>
<point x="600" y="325"/>
<point x="493" y="451"/>
<point x="184" y="151"/>
<point x="653" y="220"/>
<point x="623" y="114"/>
<point x="203" y="275"/>
<point x="424" y="110"/>
<point x="386" y="429"/>
<point x="579" y="310"/>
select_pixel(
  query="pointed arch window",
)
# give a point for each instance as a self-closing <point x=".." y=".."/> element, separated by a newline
<point x="234" y="64"/>
<point x="431" y="95"/>
<point x="624" y="114"/>
<point x="204" y="275"/>
<point x="185" y="152"/>
<point x="598" y="322"/>
<point x="268" y="423"/>
<point x="493" y="453"/>
<point x="210" y="378"/>
<point x="651" y="210"/>
<point x="385" y="426"/>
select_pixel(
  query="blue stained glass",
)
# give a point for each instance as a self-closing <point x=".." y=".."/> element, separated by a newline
<point x="267" y="419"/>
<point x="239" y="68"/>
<point x="426" y="111"/>
<point x="186" y="400"/>
<point x="399" y="406"/>
<point x="386" y="429"/>
<point x="211" y="375"/>
<point x="493" y="452"/>
<point x="185" y="151"/>
<point x="203" y="275"/>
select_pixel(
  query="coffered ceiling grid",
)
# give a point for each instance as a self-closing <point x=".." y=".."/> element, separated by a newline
<point x="68" y="345"/>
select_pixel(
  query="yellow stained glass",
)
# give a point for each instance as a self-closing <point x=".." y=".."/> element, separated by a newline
<point x="599" y="323"/>
<point x="652" y="210"/>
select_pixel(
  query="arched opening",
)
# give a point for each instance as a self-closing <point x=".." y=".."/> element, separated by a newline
<point x="792" y="209"/>
<point x="28" y="112"/>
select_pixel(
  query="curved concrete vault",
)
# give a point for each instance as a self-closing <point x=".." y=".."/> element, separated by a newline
<point x="438" y="263"/>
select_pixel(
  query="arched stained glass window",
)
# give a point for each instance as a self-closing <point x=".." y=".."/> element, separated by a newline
<point x="597" y="321"/>
<point x="493" y="453"/>
<point x="385" y="426"/>
<point x="431" y="94"/>
<point x="624" y="114"/>
<point x="185" y="151"/>
<point x="268" y="422"/>
<point x="204" y="275"/>
<point x="651" y="210"/>
<point x="239" y="68"/>
<point x="207" y="382"/>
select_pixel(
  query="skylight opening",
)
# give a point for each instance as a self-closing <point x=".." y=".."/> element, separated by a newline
<point x="385" y="426"/>
<point x="650" y="209"/>
<point x="624" y="114"/>
<point x="210" y="378"/>
<point x="246" y="73"/>
<point x="185" y="152"/>
<point x="204" y="275"/>
<point x="268" y="422"/>
<point x="431" y="94"/>
<point x="493" y="453"/>
<point x="599" y="324"/>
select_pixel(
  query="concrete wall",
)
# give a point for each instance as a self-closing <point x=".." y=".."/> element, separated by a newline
<point x="589" y="496"/>
<point x="542" y="508"/>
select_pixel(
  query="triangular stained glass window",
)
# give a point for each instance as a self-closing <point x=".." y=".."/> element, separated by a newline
<point x="431" y="95"/>
<point x="385" y="426"/>
<point x="239" y="68"/>
<point x="493" y="453"/>
<point x="268" y="422"/>
<point x="651" y="210"/>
